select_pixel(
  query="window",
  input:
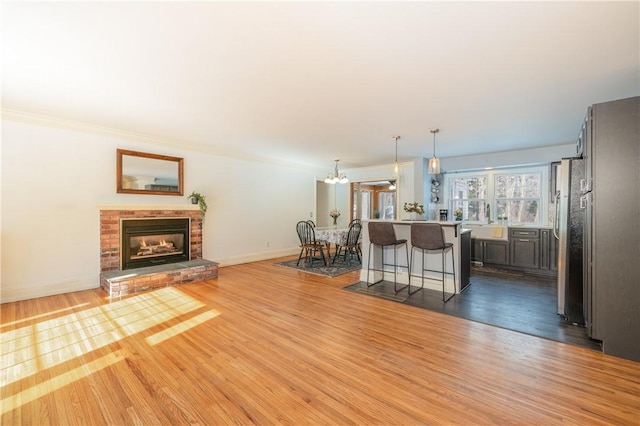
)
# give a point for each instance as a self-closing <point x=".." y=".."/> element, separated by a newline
<point x="387" y="203"/>
<point x="366" y="205"/>
<point x="469" y="195"/>
<point x="518" y="197"/>
<point x="514" y="195"/>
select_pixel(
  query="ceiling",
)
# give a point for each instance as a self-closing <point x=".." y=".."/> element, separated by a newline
<point x="306" y="82"/>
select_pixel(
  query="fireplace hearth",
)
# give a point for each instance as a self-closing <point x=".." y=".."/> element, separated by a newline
<point x="154" y="241"/>
<point x="117" y="282"/>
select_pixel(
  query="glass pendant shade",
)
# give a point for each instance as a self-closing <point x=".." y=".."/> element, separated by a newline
<point x="396" y="165"/>
<point x="434" y="162"/>
<point x="434" y="165"/>
<point x="396" y="169"/>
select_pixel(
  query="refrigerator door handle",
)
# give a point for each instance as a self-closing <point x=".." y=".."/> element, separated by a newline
<point x="583" y="185"/>
<point x="583" y="202"/>
<point x="556" y="219"/>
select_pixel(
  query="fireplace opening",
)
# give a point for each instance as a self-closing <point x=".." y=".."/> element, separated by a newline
<point x="148" y="242"/>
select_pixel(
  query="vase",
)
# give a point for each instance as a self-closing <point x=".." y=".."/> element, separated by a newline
<point x="335" y="221"/>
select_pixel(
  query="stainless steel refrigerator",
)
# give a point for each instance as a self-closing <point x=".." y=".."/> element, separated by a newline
<point x="597" y="223"/>
<point x="569" y="230"/>
<point x="611" y="149"/>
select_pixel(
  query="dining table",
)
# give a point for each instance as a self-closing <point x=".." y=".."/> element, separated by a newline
<point x="331" y="235"/>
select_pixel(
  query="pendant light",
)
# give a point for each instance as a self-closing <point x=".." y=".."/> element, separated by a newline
<point x="434" y="162"/>
<point x="396" y="165"/>
<point x="336" y="177"/>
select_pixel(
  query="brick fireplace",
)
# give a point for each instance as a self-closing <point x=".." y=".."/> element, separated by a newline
<point x="110" y="232"/>
<point x="118" y="283"/>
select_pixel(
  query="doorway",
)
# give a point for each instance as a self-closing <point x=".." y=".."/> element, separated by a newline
<point x="374" y="200"/>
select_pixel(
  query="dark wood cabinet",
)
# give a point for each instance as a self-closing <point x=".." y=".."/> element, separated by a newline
<point x="490" y="251"/>
<point x="477" y="250"/>
<point x="530" y="250"/>
<point x="465" y="263"/>
<point x="525" y="247"/>
<point x="548" y="250"/>
<point x="496" y="252"/>
<point x="553" y="252"/>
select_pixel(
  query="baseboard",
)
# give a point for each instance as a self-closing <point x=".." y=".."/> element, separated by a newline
<point x="255" y="257"/>
<point x="8" y="294"/>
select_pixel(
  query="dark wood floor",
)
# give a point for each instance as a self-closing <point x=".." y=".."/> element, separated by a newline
<point x="511" y="301"/>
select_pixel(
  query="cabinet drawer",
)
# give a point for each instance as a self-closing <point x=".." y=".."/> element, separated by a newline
<point x="524" y="233"/>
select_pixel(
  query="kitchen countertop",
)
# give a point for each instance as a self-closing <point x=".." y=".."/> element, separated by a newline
<point x="496" y="231"/>
<point x="510" y="225"/>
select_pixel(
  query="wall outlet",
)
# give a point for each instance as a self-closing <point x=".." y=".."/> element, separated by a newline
<point x="310" y="214"/>
<point x="268" y="244"/>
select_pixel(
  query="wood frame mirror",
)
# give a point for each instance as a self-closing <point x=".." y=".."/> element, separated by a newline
<point x="151" y="174"/>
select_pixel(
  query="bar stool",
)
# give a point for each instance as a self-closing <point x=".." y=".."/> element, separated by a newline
<point x="429" y="237"/>
<point x="383" y="235"/>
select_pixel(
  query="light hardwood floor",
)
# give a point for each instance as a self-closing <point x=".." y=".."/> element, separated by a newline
<point x="268" y="345"/>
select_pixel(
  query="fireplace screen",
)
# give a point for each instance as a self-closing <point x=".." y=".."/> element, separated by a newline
<point x="147" y="242"/>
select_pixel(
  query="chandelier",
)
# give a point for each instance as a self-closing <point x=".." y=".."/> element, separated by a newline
<point x="336" y="177"/>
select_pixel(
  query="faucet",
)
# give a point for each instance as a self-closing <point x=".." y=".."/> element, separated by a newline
<point x="489" y="214"/>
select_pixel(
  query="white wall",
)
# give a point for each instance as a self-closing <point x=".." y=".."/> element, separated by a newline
<point x="406" y="190"/>
<point x="329" y="197"/>
<point x="415" y="181"/>
<point x="508" y="158"/>
<point x="54" y="179"/>
<point x="534" y="156"/>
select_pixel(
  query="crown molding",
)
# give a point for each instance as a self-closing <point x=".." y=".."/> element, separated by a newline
<point x="47" y="120"/>
<point x="50" y="121"/>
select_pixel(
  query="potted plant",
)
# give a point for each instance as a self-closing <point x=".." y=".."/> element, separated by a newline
<point x="458" y="214"/>
<point x="197" y="198"/>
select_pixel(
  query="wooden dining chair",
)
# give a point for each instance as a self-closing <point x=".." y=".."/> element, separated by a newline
<point x="308" y="244"/>
<point x="351" y="244"/>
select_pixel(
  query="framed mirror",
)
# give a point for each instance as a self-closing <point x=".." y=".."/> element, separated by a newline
<point x="145" y="173"/>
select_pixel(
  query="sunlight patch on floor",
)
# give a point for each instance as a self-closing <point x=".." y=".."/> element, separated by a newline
<point x="30" y="349"/>
<point x="7" y="324"/>
<point x="182" y="327"/>
<point x="34" y="392"/>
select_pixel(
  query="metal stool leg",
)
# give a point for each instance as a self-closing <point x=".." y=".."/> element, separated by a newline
<point x="369" y="264"/>
<point x="395" y="268"/>
<point x="453" y="261"/>
<point x="421" y="273"/>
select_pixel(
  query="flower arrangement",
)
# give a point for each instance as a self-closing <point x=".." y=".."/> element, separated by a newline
<point x="414" y="208"/>
<point x="458" y="214"/>
<point x="334" y="214"/>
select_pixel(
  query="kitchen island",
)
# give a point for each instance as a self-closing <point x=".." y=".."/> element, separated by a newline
<point x="453" y="233"/>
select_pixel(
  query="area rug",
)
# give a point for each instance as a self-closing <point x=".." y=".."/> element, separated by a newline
<point x="318" y="268"/>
